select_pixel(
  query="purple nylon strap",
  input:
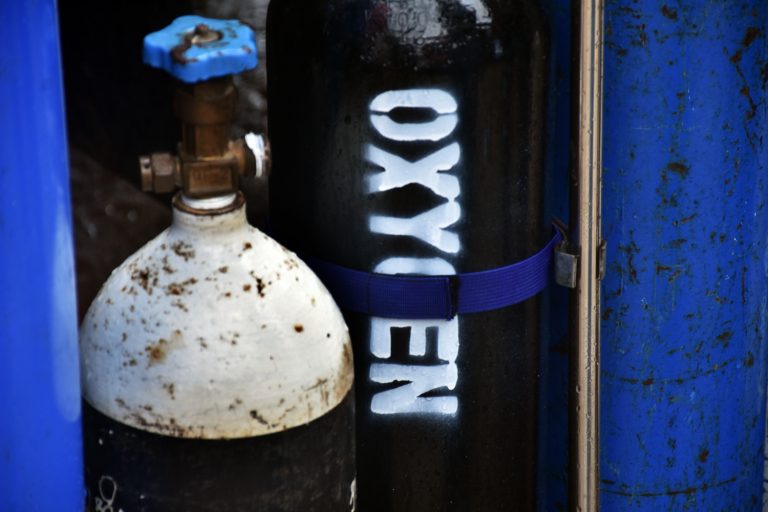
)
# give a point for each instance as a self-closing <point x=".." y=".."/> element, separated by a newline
<point x="434" y="297"/>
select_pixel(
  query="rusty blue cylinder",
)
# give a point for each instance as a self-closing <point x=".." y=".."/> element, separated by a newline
<point x="684" y="312"/>
<point x="40" y="440"/>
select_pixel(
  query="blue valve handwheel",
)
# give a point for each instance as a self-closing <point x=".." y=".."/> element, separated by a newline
<point x="193" y="48"/>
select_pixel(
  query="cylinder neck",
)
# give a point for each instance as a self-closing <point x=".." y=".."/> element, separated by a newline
<point x="221" y="214"/>
<point x="210" y="204"/>
<point x="206" y="110"/>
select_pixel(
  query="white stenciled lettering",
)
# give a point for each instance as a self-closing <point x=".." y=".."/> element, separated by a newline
<point x="439" y="101"/>
<point x="399" y="172"/>
<point x="447" y="337"/>
<point x="107" y="493"/>
<point x="407" y="398"/>
<point x="426" y="266"/>
<point x="435" y="369"/>
<point x="482" y="15"/>
<point x="429" y="227"/>
<point x="434" y="130"/>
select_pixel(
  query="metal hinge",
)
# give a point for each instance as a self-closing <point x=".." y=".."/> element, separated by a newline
<point x="567" y="264"/>
<point x="602" y="255"/>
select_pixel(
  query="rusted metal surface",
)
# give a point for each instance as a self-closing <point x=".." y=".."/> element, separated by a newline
<point x="167" y="346"/>
<point x="206" y="340"/>
<point x="251" y="109"/>
<point x="201" y="35"/>
<point x="203" y="58"/>
<point x="684" y="318"/>
<point x="160" y="173"/>
<point x="209" y="163"/>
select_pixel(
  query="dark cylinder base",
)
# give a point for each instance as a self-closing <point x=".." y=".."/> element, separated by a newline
<point x="308" y="468"/>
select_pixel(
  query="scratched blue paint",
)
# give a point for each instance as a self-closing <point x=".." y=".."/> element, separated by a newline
<point x="234" y="53"/>
<point x="40" y="440"/>
<point x="553" y="392"/>
<point x="684" y="312"/>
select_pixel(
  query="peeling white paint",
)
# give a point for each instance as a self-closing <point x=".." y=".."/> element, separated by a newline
<point x="215" y="331"/>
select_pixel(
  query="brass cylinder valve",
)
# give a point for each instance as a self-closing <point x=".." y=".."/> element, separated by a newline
<point x="208" y="163"/>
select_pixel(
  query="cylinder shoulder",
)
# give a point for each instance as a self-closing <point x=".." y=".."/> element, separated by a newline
<point x="230" y="339"/>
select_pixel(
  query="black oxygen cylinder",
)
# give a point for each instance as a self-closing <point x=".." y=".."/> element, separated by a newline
<point x="407" y="138"/>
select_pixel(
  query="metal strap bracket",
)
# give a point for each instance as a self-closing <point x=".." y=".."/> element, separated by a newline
<point x="566" y="263"/>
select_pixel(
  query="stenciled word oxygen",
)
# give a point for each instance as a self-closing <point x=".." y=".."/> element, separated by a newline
<point x="432" y="228"/>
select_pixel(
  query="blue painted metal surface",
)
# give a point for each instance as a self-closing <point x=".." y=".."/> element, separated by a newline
<point x="172" y="50"/>
<point x="40" y="443"/>
<point x="684" y="314"/>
